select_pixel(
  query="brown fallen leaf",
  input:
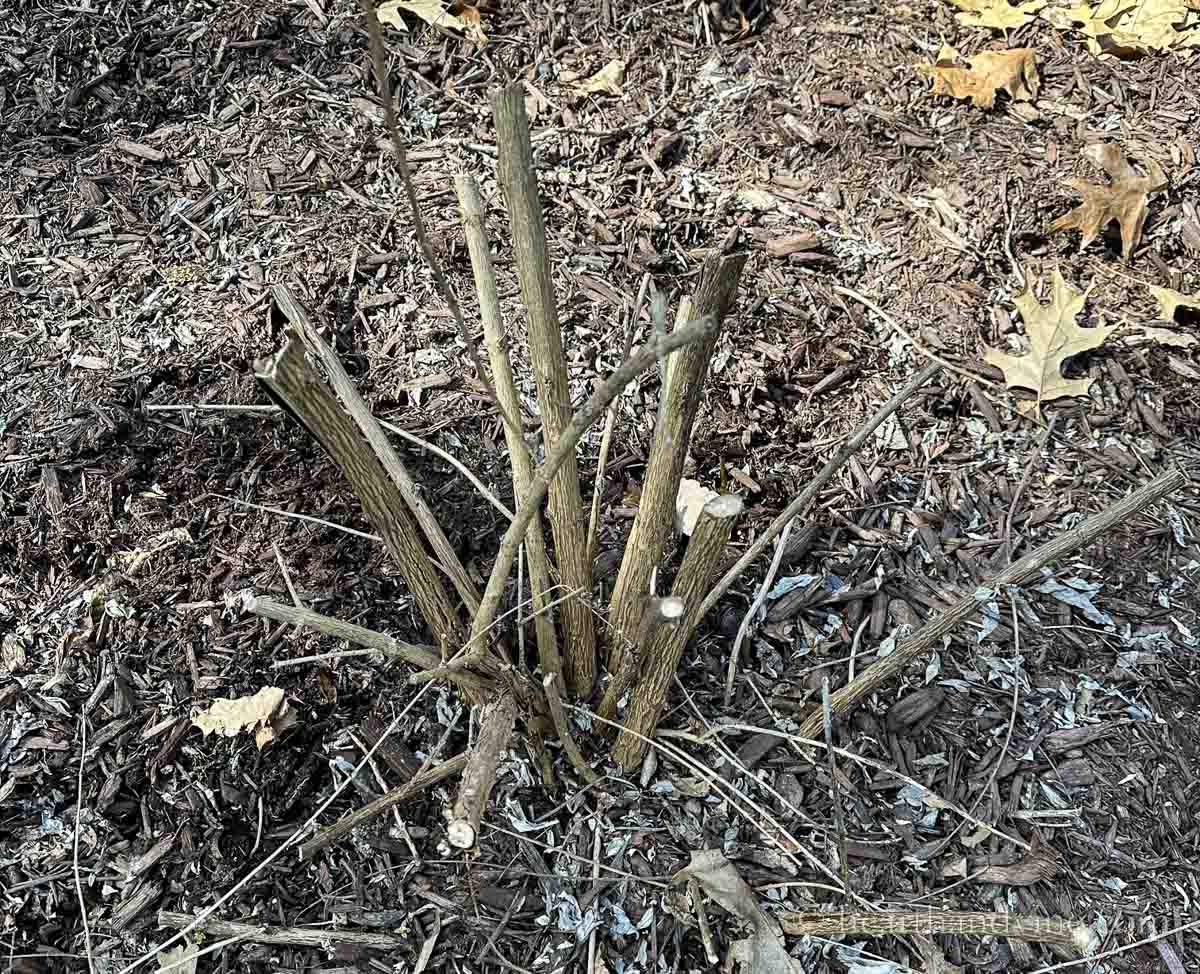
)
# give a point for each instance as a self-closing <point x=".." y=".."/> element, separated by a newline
<point x="997" y="14"/>
<point x="1126" y="200"/>
<point x="1053" y="338"/>
<point x="266" y="712"/>
<point x="430" y="11"/>
<point x="608" y="80"/>
<point x="1014" y="72"/>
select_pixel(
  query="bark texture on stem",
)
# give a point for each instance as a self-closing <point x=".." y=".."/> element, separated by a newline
<point x="661" y="655"/>
<point x="310" y="937"/>
<point x="660" y="614"/>
<point x="290" y="377"/>
<point x="1019" y="571"/>
<point x="380" y="445"/>
<point x="422" y="657"/>
<point x="643" y="358"/>
<point x="518" y="179"/>
<point x="682" y="394"/>
<point x="480" y="249"/>
<point x="496" y="722"/>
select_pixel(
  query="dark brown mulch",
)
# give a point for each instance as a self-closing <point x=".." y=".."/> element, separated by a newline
<point x="166" y="164"/>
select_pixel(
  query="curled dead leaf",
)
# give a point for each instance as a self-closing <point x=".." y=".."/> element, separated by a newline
<point x="1170" y="302"/>
<point x="1126" y="200"/>
<point x="1014" y="72"/>
<point x="608" y="80"/>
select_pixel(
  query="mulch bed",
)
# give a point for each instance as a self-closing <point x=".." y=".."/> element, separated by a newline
<point x="166" y="164"/>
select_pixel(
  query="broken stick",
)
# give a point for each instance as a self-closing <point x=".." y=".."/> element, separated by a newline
<point x="1019" y="571"/>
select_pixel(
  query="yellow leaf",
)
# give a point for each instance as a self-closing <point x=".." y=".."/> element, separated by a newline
<point x="997" y="14"/>
<point x="266" y="712"/>
<point x="1125" y="201"/>
<point x="1169" y="302"/>
<point x="1130" y="28"/>
<point x="1053" y="338"/>
<point x="1164" y="336"/>
<point x="608" y="79"/>
<point x="1014" y="72"/>
<point x="430" y="11"/>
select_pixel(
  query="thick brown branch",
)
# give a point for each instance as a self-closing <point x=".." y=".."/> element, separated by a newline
<point x="661" y="655"/>
<point x="290" y="377"/>
<point x="518" y="179"/>
<point x="680" y="399"/>
<point x="1019" y="571"/>
<point x="496" y="722"/>
<point x="380" y="445"/>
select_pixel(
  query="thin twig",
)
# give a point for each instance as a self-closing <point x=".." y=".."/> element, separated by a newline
<point x="287" y="843"/>
<point x="83" y="916"/>
<point x="880" y="766"/>
<point x="366" y="535"/>
<point x="1012" y="508"/>
<point x="457" y="464"/>
<point x="610" y="421"/>
<point x="768" y="579"/>
<point x="1012" y="719"/>
<point x="839" y="818"/>
<point x="567" y="739"/>
<point x="379" y="60"/>
<point x="1104" y="955"/>
<point x="932" y="356"/>
<point x="809" y="494"/>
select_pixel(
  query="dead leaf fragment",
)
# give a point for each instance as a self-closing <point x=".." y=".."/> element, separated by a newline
<point x="430" y="11"/>
<point x="1169" y="302"/>
<point x="997" y="14"/>
<point x="1125" y="201"/>
<point x="761" y="953"/>
<point x="608" y="80"/>
<point x="1164" y="336"/>
<point x="179" y="960"/>
<point x="689" y="502"/>
<point x="1014" y="72"/>
<point x="1053" y="338"/>
<point x="267" y="713"/>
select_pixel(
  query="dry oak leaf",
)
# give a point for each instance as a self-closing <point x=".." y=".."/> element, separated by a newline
<point x="1169" y="301"/>
<point x="266" y="712"/>
<point x="1131" y="28"/>
<point x="1012" y="71"/>
<point x="430" y="11"/>
<point x="1125" y="201"/>
<point x="1053" y="338"/>
<point x="997" y="14"/>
